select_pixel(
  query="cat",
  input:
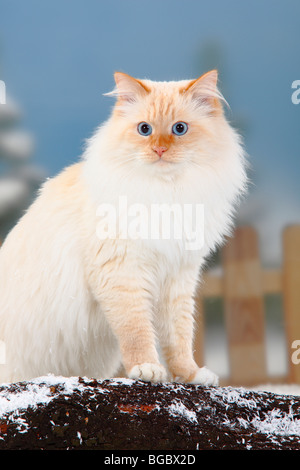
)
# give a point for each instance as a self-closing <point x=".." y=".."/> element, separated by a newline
<point x="76" y="303"/>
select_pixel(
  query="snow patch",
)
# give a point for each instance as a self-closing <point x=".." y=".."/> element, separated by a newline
<point x="278" y="423"/>
<point x="37" y="392"/>
<point x="177" y="409"/>
<point x="121" y="381"/>
<point x="231" y="396"/>
<point x="272" y="423"/>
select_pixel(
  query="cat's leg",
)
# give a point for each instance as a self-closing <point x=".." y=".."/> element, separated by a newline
<point x="176" y="327"/>
<point x="129" y="317"/>
<point x="127" y="305"/>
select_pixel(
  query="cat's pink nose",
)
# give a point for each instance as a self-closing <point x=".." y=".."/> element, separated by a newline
<point x="160" y="150"/>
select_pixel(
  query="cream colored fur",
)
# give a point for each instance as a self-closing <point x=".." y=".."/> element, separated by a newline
<point x="73" y="304"/>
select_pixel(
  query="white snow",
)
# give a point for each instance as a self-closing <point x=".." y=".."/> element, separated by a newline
<point x="79" y="437"/>
<point x="234" y="395"/>
<point x="273" y="423"/>
<point x="37" y="392"/>
<point x="277" y="423"/>
<point x="179" y="409"/>
<point x="121" y="380"/>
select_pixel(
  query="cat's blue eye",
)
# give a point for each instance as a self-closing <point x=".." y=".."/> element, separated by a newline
<point x="180" y="128"/>
<point x="144" y="128"/>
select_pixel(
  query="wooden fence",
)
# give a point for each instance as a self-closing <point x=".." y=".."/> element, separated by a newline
<point x="242" y="286"/>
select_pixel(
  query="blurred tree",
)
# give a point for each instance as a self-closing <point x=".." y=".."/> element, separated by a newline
<point x="19" y="177"/>
<point x="212" y="55"/>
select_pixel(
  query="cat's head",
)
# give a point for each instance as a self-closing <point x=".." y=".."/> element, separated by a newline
<point x="164" y="126"/>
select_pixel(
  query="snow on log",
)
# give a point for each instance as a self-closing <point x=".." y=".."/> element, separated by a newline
<point x="121" y="414"/>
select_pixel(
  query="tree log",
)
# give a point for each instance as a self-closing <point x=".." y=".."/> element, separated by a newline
<point x="120" y="414"/>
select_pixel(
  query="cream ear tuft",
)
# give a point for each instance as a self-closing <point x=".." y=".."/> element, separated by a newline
<point x="128" y="88"/>
<point x="204" y="89"/>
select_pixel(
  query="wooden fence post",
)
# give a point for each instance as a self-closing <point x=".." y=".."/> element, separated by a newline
<point x="291" y="294"/>
<point x="199" y="330"/>
<point x="244" y="308"/>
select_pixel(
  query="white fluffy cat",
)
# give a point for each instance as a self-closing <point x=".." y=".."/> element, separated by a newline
<point x="75" y="303"/>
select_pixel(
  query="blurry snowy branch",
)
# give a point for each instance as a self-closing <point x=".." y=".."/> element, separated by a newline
<point x="19" y="177"/>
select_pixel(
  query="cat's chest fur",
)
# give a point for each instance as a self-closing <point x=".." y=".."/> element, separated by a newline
<point x="157" y="220"/>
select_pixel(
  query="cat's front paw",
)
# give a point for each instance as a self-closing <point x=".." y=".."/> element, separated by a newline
<point x="149" y="372"/>
<point x="205" y="376"/>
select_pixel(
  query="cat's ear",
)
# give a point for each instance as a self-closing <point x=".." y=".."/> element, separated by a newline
<point x="127" y="88"/>
<point x="204" y="90"/>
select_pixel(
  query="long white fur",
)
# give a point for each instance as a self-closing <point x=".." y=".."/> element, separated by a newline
<point x="50" y="320"/>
